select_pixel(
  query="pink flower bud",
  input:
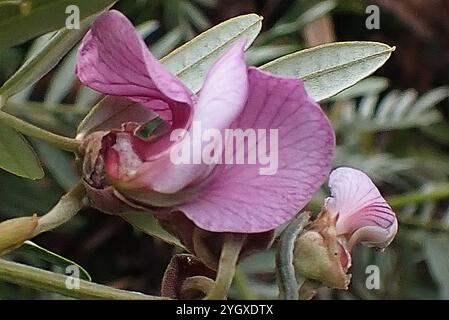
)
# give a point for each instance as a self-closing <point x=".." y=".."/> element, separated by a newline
<point x="356" y="212"/>
<point x="362" y="213"/>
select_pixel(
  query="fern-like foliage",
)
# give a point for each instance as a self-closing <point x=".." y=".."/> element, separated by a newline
<point x="396" y="110"/>
<point x="381" y="167"/>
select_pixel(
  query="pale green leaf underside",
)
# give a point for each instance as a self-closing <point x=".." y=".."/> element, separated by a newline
<point x="330" y="68"/>
<point x="191" y="61"/>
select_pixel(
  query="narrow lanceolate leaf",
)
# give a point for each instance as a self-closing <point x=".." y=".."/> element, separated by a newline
<point x="191" y="61"/>
<point x="30" y="249"/>
<point x="44" y="60"/>
<point x="33" y="18"/>
<point x="35" y="47"/>
<point x="147" y="223"/>
<point x="62" y="80"/>
<point x="17" y="156"/>
<point x="368" y="87"/>
<point x="328" y="69"/>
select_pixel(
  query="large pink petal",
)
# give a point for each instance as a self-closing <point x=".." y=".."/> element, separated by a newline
<point x="239" y="198"/>
<point x="363" y="214"/>
<point x="114" y="60"/>
<point x="221" y="101"/>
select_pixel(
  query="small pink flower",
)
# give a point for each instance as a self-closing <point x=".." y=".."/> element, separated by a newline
<point x="355" y="213"/>
<point x="362" y="213"/>
<point x="122" y="169"/>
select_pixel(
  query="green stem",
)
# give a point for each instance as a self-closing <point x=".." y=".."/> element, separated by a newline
<point x="54" y="108"/>
<point x="67" y="207"/>
<point x="28" y="129"/>
<point x="43" y="280"/>
<point x="416" y="197"/>
<point x="230" y="252"/>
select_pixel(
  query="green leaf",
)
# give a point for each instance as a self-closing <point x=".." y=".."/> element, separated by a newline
<point x="330" y="68"/>
<point x="35" y="47"/>
<point x="62" y="81"/>
<point x="44" y="60"/>
<point x="191" y="61"/>
<point x="59" y="163"/>
<point x="29" y="248"/>
<point x="16" y="204"/>
<point x="17" y="156"/>
<point x="147" y="223"/>
<point x="369" y="86"/>
<point x="43" y="16"/>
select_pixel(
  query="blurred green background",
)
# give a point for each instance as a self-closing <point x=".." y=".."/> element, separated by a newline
<point x="393" y="125"/>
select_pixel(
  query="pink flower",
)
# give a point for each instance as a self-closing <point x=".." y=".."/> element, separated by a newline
<point x="355" y="213"/>
<point x="362" y="214"/>
<point x="122" y="169"/>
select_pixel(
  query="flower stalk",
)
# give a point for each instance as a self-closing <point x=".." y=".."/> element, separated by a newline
<point x="226" y="269"/>
<point x="39" y="279"/>
<point x="30" y="130"/>
<point x="67" y="207"/>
